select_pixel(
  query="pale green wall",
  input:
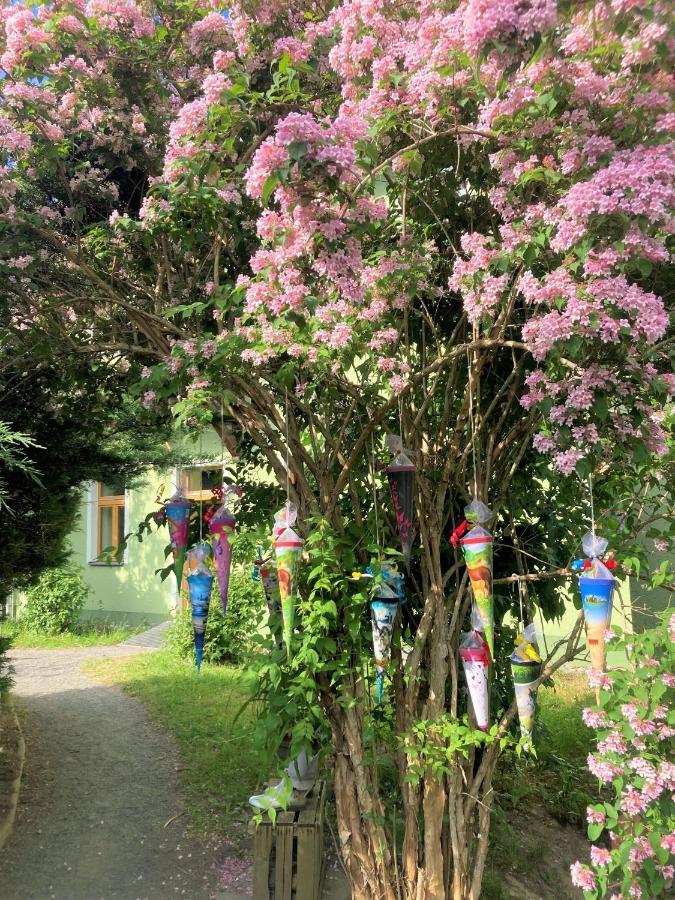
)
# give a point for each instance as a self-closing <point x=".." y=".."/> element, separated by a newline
<point x="130" y="591"/>
<point x="558" y="629"/>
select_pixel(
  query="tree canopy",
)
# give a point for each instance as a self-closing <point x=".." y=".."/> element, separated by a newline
<point x="447" y="221"/>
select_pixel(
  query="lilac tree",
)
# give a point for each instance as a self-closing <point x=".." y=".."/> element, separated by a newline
<point x="311" y="227"/>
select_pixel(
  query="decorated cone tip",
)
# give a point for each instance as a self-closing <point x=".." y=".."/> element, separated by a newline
<point x="526" y="666"/>
<point x="287" y="548"/>
<point x="177" y="511"/>
<point x="476" y="663"/>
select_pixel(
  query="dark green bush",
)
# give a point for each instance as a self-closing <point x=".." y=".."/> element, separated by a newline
<point x="228" y="638"/>
<point x="5" y="666"/>
<point x="56" y="601"/>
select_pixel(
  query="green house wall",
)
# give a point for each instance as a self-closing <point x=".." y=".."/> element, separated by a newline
<point x="131" y="591"/>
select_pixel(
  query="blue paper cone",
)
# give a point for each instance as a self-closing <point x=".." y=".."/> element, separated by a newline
<point x="199" y="590"/>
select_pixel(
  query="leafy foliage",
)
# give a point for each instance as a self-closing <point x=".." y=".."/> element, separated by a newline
<point x="635" y="724"/>
<point x="6" y="680"/>
<point x="228" y="638"/>
<point x="56" y="601"/>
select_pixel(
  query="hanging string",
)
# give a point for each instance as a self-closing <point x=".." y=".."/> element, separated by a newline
<point x="222" y="446"/>
<point x="373" y="477"/>
<point x="288" y="451"/>
<point x="400" y="419"/>
<point x="471" y="424"/>
<point x="201" y="501"/>
<point x="543" y="630"/>
<point x="179" y="486"/>
<point x="590" y="489"/>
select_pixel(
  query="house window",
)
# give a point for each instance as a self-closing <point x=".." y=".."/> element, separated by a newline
<point x="199" y="481"/>
<point x="110" y="517"/>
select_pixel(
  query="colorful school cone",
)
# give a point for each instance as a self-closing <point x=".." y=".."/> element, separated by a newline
<point x="477" y="548"/>
<point x="383" y="608"/>
<point x="263" y="571"/>
<point x="177" y="511"/>
<point x="287" y="548"/>
<point x="401" y="475"/>
<point x="200" y="583"/>
<point x="526" y="668"/>
<point x="596" y="586"/>
<point x="221" y="526"/>
<point x="476" y="661"/>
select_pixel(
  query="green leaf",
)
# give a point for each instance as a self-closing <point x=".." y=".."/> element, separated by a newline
<point x="297" y="149"/>
<point x="269" y="187"/>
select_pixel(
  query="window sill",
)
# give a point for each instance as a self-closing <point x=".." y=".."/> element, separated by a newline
<point x="99" y="564"/>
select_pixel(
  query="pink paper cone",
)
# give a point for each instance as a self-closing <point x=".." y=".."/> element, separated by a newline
<point x="221" y="529"/>
<point x="476" y="662"/>
<point x="178" y="520"/>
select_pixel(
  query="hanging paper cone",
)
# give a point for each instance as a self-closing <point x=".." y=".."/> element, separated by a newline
<point x="287" y="548"/>
<point x="199" y="590"/>
<point x="525" y="673"/>
<point x="221" y="527"/>
<point x="401" y="475"/>
<point x="382" y="614"/>
<point x="178" y="519"/>
<point x="596" y="597"/>
<point x="270" y="583"/>
<point x="476" y="662"/>
<point x="477" y="547"/>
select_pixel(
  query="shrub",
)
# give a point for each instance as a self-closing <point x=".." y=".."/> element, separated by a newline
<point x="5" y="665"/>
<point x="56" y="601"/>
<point x="227" y="637"/>
<point x="635" y="727"/>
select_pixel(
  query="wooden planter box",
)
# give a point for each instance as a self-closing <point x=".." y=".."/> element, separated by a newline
<point x="288" y="856"/>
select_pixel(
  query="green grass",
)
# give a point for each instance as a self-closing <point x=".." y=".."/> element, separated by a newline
<point x="221" y="766"/>
<point x="539" y="812"/>
<point x="85" y="635"/>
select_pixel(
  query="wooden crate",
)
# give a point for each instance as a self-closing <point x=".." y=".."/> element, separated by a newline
<point x="288" y="856"/>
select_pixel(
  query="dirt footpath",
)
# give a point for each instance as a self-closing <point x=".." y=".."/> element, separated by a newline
<point x="99" y="790"/>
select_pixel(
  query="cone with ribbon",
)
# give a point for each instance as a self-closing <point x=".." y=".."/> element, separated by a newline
<point x="476" y="545"/>
<point x="177" y="512"/>
<point x="221" y="525"/>
<point x="596" y="586"/>
<point x="473" y="651"/>
<point x="287" y="550"/>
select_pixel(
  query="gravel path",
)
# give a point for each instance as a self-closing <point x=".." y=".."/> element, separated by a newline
<point x="100" y="783"/>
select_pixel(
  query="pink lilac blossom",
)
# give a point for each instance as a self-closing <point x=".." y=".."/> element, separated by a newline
<point x="594" y="817"/>
<point x="593" y="718"/>
<point x="633" y="802"/>
<point x="602" y="769"/>
<point x="600" y="856"/>
<point x="582" y="877"/>
<point x="668" y="842"/>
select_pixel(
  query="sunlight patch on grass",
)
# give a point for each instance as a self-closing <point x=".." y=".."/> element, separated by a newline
<point x="84" y="636"/>
<point x="222" y="766"/>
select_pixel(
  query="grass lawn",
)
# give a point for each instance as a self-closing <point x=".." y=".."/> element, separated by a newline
<point x="221" y="765"/>
<point x="86" y="635"/>
<point x="538" y="824"/>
